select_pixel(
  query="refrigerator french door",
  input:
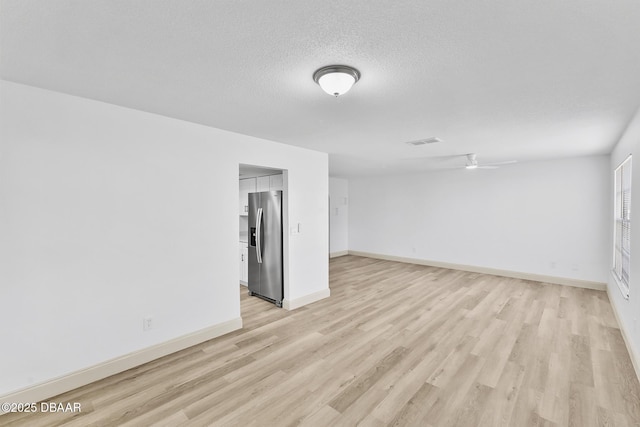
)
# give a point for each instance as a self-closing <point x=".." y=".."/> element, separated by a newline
<point x="265" y="246"/>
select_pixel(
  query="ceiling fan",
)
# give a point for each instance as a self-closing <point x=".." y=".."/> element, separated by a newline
<point x="448" y="162"/>
<point x="472" y="163"/>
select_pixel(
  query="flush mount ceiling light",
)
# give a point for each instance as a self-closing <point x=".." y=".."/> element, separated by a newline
<point x="336" y="79"/>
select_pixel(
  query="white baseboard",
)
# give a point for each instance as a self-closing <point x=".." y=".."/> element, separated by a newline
<point x="62" y="384"/>
<point x="337" y="254"/>
<point x="635" y="360"/>
<point x="598" y="286"/>
<point x="307" y="299"/>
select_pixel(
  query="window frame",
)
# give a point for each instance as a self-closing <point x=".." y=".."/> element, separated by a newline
<point x="621" y="269"/>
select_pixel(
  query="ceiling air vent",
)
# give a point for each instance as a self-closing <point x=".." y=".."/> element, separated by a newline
<point x="425" y="141"/>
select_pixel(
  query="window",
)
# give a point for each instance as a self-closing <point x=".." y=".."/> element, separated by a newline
<point x="622" y="233"/>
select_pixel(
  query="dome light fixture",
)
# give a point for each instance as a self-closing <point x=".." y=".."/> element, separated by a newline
<point x="336" y="79"/>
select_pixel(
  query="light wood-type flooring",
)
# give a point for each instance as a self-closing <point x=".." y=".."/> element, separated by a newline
<point x="395" y="344"/>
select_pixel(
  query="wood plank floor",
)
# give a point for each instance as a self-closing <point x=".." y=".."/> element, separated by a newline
<point x="395" y="345"/>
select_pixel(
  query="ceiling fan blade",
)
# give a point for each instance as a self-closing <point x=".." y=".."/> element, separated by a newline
<point x="508" y="162"/>
<point x="447" y="168"/>
<point x="435" y="158"/>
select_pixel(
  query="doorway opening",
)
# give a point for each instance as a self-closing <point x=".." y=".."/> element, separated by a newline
<point x="253" y="179"/>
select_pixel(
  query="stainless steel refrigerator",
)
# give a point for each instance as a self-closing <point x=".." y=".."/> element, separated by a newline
<point x="265" y="246"/>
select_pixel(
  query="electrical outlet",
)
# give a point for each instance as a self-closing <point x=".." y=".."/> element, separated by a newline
<point x="147" y="323"/>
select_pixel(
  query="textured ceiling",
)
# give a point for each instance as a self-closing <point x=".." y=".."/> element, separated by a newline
<point x="519" y="80"/>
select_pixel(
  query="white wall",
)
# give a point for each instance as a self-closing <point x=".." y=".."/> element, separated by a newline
<point x="338" y="215"/>
<point x="628" y="310"/>
<point x="109" y="214"/>
<point x="546" y="218"/>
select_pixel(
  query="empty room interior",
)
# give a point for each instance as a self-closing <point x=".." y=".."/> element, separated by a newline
<point x="320" y="214"/>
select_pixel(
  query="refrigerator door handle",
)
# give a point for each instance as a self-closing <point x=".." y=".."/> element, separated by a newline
<point x="258" y="233"/>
